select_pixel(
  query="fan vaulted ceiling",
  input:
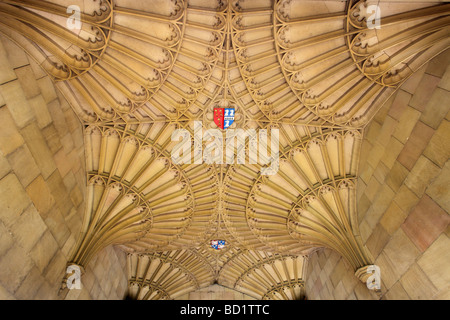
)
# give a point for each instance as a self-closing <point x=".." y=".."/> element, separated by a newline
<point x="136" y="71"/>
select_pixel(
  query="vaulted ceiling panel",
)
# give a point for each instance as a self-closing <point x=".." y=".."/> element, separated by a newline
<point x="134" y="73"/>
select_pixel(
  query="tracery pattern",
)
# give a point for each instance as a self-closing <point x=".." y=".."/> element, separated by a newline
<point x="134" y="72"/>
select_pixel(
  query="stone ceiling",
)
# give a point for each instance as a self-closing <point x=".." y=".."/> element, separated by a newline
<point x="135" y="71"/>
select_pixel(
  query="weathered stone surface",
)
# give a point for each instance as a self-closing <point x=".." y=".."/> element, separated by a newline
<point x="434" y="261"/>
<point x="15" y="56"/>
<point x="425" y="223"/>
<point x="438" y="150"/>
<point x="39" y="193"/>
<point x="393" y="218"/>
<point x="6" y="72"/>
<point x="27" y="81"/>
<point x="377" y="240"/>
<point x="12" y="206"/>
<point x="401" y="259"/>
<point x="44" y="250"/>
<point x="41" y="113"/>
<point x="421" y="175"/>
<point x="28" y="228"/>
<point x="417" y="285"/>
<point x="420" y="136"/>
<point x="16" y="103"/>
<point x="4" y="166"/>
<point x="6" y="239"/>
<point x="438" y="189"/>
<point x="427" y="85"/>
<point x="436" y="108"/>
<point x="15" y="265"/>
<point x="23" y="164"/>
<point x="407" y="122"/>
<point x="39" y="149"/>
<point x="10" y="137"/>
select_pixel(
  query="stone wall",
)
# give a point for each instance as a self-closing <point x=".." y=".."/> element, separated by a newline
<point x="42" y="185"/>
<point x="403" y="197"/>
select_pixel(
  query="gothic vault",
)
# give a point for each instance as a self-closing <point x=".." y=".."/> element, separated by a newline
<point x="135" y="71"/>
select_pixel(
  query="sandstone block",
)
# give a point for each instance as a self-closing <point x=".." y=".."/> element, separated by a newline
<point x="15" y="266"/>
<point x="421" y="175"/>
<point x="434" y="260"/>
<point x="10" y="137"/>
<point x="39" y="107"/>
<point x="437" y="108"/>
<point x="44" y="250"/>
<point x="39" y="149"/>
<point x="6" y="71"/>
<point x="39" y="193"/>
<point x="4" y="166"/>
<point x="416" y="284"/>
<point x="23" y="164"/>
<point x="421" y="96"/>
<point x="401" y="259"/>
<point x="438" y="150"/>
<point x="393" y="218"/>
<point x="15" y="55"/>
<point x="438" y="190"/>
<point x="27" y="81"/>
<point x="13" y="199"/>
<point x="47" y="89"/>
<point x="407" y="122"/>
<point x="425" y="223"/>
<point x="16" y="103"/>
<point x="28" y="228"/>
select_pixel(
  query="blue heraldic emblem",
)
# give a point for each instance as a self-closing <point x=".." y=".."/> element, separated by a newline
<point x="217" y="244"/>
